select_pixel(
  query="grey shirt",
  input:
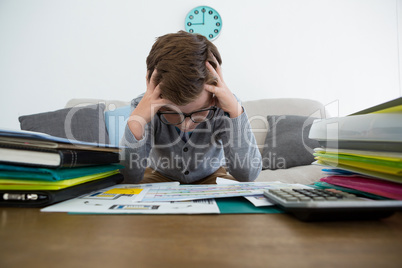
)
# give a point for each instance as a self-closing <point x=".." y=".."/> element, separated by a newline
<point x="221" y="141"/>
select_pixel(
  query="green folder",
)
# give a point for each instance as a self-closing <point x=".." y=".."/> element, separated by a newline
<point x="20" y="172"/>
<point x="240" y="205"/>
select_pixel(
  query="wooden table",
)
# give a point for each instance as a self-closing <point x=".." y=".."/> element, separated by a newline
<point x="30" y="238"/>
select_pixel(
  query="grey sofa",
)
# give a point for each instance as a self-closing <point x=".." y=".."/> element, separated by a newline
<point x="257" y="112"/>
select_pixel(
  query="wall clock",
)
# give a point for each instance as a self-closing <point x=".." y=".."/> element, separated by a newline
<point x="204" y="20"/>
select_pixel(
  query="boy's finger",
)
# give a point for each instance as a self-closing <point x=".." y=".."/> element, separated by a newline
<point x="152" y="79"/>
<point x="157" y="91"/>
<point x="218" y="66"/>
<point x="214" y="58"/>
<point x="210" y="67"/>
<point x="158" y="95"/>
<point x="210" y="88"/>
<point x="212" y="70"/>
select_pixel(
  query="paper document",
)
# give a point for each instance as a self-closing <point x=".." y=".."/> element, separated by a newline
<point x="123" y="199"/>
<point x="194" y="192"/>
<point x="225" y="181"/>
<point x="259" y="200"/>
<point x="165" y="198"/>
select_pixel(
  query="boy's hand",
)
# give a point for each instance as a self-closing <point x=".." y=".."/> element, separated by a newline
<point x="224" y="97"/>
<point x="146" y="109"/>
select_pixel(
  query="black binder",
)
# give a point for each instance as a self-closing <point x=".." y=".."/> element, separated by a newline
<point x="51" y="158"/>
<point x="38" y="198"/>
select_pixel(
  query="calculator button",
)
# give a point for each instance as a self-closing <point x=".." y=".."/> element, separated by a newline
<point x="298" y="190"/>
<point x="292" y="199"/>
<point x="275" y="190"/>
<point x="310" y="195"/>
<point x="331" y="198"/>
<point x="288" y="191"/>
<point x="319" y="198"/>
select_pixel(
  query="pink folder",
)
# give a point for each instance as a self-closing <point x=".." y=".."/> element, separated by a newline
<point x="374" y="186"/>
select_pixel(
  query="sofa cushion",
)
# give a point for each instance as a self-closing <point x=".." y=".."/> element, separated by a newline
<point x="307" y="174"/>
<point x="257" y="111"/>
<point x="287" y="143"/>
<point x="77" y="123"/>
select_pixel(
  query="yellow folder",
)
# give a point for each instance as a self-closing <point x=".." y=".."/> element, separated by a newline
<point x="29" y="184"/>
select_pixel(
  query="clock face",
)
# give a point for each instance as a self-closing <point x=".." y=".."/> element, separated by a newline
<point x="204" y="20"/>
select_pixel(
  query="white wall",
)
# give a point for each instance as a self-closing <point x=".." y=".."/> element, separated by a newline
<point x="336" y="51"/>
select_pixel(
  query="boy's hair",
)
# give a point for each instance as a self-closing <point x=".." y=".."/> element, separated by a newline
<point x="180" y="62"/>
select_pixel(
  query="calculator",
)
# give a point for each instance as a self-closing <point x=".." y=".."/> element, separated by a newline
<point x="330" y="204"/>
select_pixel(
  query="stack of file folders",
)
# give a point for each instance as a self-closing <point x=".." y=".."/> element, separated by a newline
<point x="37" y="170"/>
<point x="363" y="151"/>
